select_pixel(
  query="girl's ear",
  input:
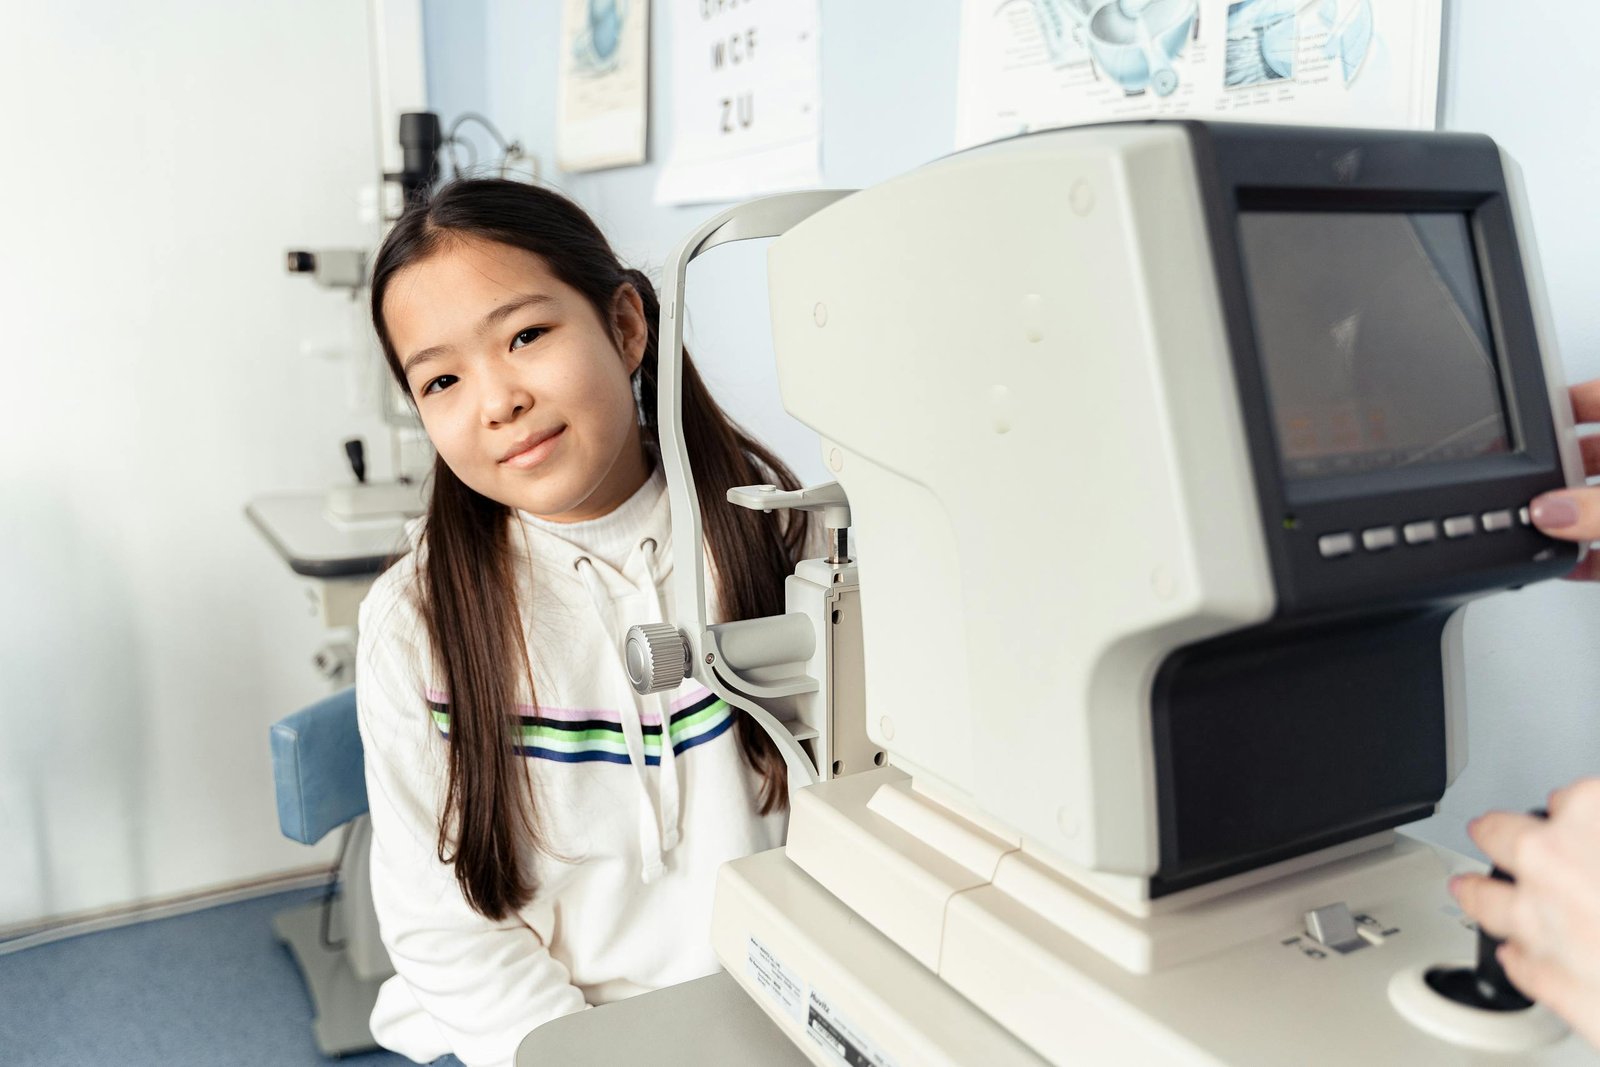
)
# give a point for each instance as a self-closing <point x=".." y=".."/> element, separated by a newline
<point x="629" y="326"/>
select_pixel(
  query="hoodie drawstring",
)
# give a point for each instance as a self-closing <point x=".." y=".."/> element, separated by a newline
<point x="669" y="757"/>
<point x="655" y="838"/>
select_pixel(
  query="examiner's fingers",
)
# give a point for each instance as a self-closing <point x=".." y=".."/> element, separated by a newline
<point x="1582" y="797"/>
<point x="1560" y="798"/>
<point x="1587" y="570"/>
<point x="1570" y="514"/>
<point x="1586" y="401"/>
<point x="1499" y="834"/>
<point x="1589" y="445"/>
<point x="1488" y="901"/>
<point x="1531" y="977"/>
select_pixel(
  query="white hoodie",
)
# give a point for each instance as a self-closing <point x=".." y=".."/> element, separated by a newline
<point x="633" y="831"/>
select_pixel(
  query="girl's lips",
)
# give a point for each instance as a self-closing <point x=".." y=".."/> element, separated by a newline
<point x="535" y="455"/>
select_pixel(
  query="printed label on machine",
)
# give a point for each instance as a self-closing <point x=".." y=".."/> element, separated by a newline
<point x="779" y="983"/>
<point x="811" y="1010"/>
<point x="834" y="1032"/>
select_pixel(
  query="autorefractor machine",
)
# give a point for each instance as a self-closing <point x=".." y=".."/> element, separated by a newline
<point x="1173" y="451"/>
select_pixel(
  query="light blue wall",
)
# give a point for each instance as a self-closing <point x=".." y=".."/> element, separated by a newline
<point x="454" y="35"/>
<point x="888" y="91"/>
<point x="888" y="96"/>
<point x="1502" y="78"/>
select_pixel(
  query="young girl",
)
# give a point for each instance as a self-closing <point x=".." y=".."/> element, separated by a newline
<point x="543" y="837"/>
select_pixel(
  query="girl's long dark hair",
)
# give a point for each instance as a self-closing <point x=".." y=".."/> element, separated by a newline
<point x="466" y="580"/>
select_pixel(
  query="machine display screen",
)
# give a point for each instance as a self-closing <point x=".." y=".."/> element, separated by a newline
<point x="1376" y="346"/>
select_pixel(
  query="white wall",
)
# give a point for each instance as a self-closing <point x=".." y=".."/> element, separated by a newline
<point x="888" y="104"/>
<point x="161" y="158"/>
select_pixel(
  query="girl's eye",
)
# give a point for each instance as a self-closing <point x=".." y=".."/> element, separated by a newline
<point x="527" y="337"/>
<point x="439" y="384"/>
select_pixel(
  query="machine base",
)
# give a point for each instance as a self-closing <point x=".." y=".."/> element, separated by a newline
<point x="841" y="991"/>
<point x="984" y="976"/>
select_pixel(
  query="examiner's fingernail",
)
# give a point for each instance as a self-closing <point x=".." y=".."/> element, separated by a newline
<point x="1553" y="512"/>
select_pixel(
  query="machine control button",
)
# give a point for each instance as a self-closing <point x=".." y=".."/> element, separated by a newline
<point x="1336" y="544"/>
<point x="1524" y="516"/>
<point x="1460" y="526"/>
<point x="1495" y="521"/>
<point x="1378" y="538"/>
<point x="1333" y="925"/>
<point x="1420" y="533"/>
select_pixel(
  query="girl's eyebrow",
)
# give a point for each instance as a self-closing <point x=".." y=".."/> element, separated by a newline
<point x="490" y="321"/>
<point x="499" y="314"/>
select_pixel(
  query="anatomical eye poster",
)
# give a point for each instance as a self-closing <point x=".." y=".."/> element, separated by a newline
<point x="603" y="91"/>
<point x="1035" y="64"/>
<point x="746" y="98"/>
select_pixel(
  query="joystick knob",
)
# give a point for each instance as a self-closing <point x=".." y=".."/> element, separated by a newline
<point x="1493" y="985"/>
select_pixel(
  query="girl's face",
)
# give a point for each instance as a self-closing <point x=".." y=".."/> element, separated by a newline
<point x="523" y="389"/>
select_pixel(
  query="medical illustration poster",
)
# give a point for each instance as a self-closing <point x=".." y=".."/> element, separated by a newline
<point x="746" y="100"/>
<point x="604" y="80"/>
<point x="1035" y="64"/>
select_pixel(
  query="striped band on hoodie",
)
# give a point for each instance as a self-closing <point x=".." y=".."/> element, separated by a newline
<point x="587" y="735"/>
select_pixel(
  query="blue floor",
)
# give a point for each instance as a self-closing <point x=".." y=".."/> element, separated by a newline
<point x="212" y="987"/>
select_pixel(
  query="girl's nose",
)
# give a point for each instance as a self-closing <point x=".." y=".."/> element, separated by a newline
<point x="504" y="399"/>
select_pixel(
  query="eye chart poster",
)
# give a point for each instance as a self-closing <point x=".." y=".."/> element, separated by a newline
<point x="746" y="100"/>
<point x="1036" y="64"/>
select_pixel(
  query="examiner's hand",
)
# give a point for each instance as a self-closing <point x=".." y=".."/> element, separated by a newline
<point x="1551" y="917"/>
<point x="1574" y="514"/>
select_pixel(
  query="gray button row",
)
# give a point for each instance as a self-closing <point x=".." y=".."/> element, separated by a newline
<point x="1422" y="532"/>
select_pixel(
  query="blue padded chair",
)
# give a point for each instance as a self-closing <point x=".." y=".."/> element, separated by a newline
<point x="318" y="769"/>
<point x="319" y="774"/>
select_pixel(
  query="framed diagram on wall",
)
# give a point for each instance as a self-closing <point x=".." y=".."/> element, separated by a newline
<point x="1035" y="64"/>
<point x="603" y="93"/>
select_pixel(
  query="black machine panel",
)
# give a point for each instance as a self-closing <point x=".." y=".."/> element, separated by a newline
<point x="1388" y="367"/>
<point x="1273" y="744"/>
<point x="1398" y="419"/>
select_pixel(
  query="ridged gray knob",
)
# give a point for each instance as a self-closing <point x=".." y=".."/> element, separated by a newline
<point x="657" y="657"/>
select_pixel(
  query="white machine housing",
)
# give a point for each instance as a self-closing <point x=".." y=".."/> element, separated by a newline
<point x="1045" y="452"/>
<point x="1006" y="653"/>
<point x="1036" y="370"/>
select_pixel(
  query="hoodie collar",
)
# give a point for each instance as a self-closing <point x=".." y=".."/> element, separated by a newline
<point x="611" y="543"/>
<point x="612" y="537"/>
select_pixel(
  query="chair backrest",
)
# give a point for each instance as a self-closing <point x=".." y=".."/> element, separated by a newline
<point x="318" y="769"/>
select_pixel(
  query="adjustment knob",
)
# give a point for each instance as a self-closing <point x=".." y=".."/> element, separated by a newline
<point x="657" y="657"/>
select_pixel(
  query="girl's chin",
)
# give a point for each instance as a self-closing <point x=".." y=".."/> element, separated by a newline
<point x="552" y="507"/>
